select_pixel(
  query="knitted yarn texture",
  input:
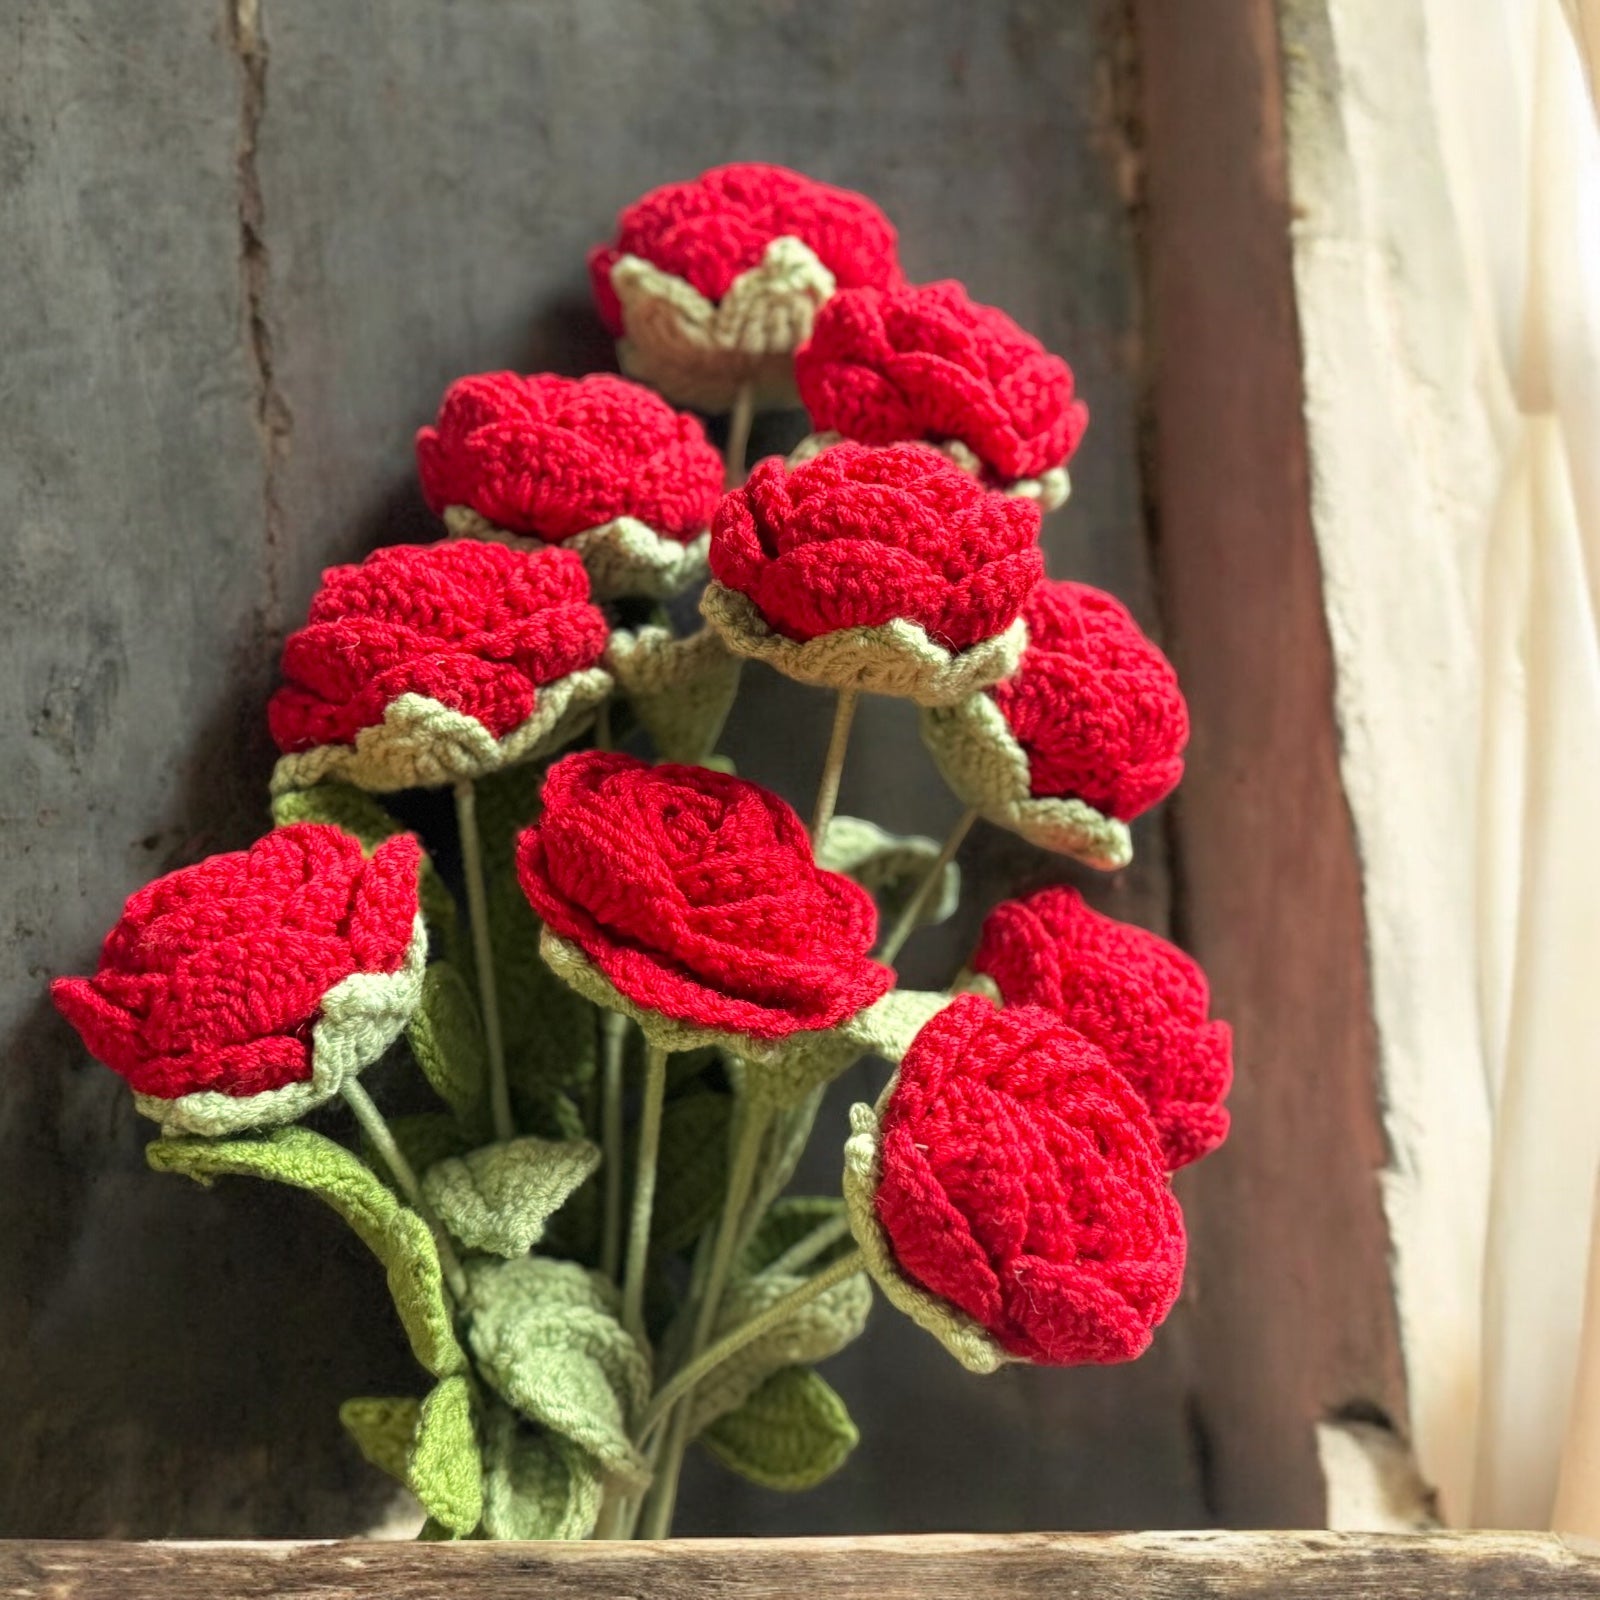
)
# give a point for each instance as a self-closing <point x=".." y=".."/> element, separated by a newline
<point x="429" y="662"/>
<point x="1141" y="1000"/>
<point x="1019" y="1179"/>
<point x="696" y="895"/>
<point x="234" y="979"/>
<point x="926" y="362"/>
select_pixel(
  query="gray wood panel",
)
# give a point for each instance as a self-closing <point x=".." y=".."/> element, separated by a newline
<point x="246" y="256"/>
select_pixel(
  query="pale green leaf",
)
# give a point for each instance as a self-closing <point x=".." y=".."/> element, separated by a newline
<point x="443" y="1469"/>
<point x="536" y="1485"/>
<point x="792" y="1433"/>
<point x="446" y="1038"/>
<point x="500" y="1197"/>
<point x="397" y="1236"/>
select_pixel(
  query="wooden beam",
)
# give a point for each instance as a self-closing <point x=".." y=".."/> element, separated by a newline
<point x="1151" y="1566"/>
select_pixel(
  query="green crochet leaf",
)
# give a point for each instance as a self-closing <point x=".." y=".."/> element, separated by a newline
<point x="443" y="1469"/>
<point x="820" y="1328"/>
<point x="547" y="1340"/>
<point x="499" y="1198"/>
<point x="383" y="1430"/>
<point x="352" y="809"/>
<point x="791" y="1219"/>
<point x="792" y="1433"/>
<point x="398" y="1237"/>
<point x="536" y="1485"/>
<point x="892" y="867"/>
<point x="446" y="1038"/>
<point x="574" y="1231"/>
<point x="693" y="1167"/>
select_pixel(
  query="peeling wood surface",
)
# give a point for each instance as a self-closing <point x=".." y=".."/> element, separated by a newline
<point x="247" y="246"/>
<point x="1178" y="1566"/>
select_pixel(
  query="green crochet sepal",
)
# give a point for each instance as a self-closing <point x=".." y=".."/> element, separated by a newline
<point x="446" y="1040"/>
<point x="537" y="1485"/>
<point x="680" y="689"/>
<point x="979" y="757"/>
<point x="431" y="1446"/>
<point x="548" y="1341"/>
<point x="358" y="1020"/>
<point x="499" y="1198"/>
<point x="891" y="867"/>
<point x="780" y="1073"/>
<point x="895" y="658"/>
<point x="968" y="1341"/>
<point x="422" y="744"/>
<point x="398" y="1237"/>
<point x="792" y="1433"/>
<point x="624" y="557"/>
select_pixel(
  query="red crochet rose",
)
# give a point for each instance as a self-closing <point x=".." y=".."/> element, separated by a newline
<point x="215" y="976"/>
<point x="715" y="227"/>
<point x="475" y="626"/>
<point x="928" y="363"/>
<point x="1094" y="704"/>
<point x="1021" y="1181"/>
<point x="1140" y="999"/>
<point x="858" y="537"/>
<point x="550" y="457"/>
<point x="696" y="895"/>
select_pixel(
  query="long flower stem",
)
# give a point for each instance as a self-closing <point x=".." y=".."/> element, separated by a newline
<point x="644" y="1190"/>
<point x="747" y="1146"/>
<point x="730" y="1344"/>
<point x="739" y="420"/>
<point x="614" y="1038"/>
<point x="844" y="713"/>
<point x="383" y="1141"/>
<point x="917" y="904"/>
<point x="483" y="955"/>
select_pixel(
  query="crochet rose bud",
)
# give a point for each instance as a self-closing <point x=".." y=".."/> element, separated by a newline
<point x="1140" y="999"/>
<point x="1009" y="1194"/>
<point x="889" y="570"/>
<point x="713" y="283"/>
<point x="1087" y="734"/>
<point x="425" y="664"/>
<point x="695" y="896"/>
<point x="925" y="362"/>
<point x="597" y="464"/>
<point x="244" y="991"/>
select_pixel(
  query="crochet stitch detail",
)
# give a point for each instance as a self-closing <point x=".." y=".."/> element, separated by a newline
<point x="696" y="894"/>
<point x="244" y="990"/>
<point x="926" y="362"/>
<point x="1139" y="998"/>
<point x="1050" y="490"/>
<point x="1021" y="1182"/>
<point x="551" y="457"/>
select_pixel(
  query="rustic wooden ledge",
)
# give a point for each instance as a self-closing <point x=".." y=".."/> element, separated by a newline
<point x="1138" y="1566"/>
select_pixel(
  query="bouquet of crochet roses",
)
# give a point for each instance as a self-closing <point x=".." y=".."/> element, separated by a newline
<point x="608" y="1000"/>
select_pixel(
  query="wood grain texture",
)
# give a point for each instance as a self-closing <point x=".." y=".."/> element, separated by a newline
<point x="1176" y="1566"/>
<point x="1295" y="1322"/>
<point x="252" y="245"/>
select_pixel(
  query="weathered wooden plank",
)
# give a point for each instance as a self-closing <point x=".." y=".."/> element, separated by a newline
<point x="1295" y="1322"/>
<point x="1175" y="1566"/>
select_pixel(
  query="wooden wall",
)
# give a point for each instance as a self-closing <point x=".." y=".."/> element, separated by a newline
<point x="246" y="249"/>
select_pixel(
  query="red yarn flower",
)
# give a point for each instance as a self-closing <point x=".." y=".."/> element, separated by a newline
<point x="696" y="895"/>
<point x="270" y="972"/>
<point x="453" y="649"/>
<point x="859" y="538"/>
<point x="715" y="227"/>
<point x="928" y="363"/>
<point x="1094" y="703"/>
<point x="1140" y="999"/>
<point x="1021" y="1182"/>
<point x="552" y="458"/>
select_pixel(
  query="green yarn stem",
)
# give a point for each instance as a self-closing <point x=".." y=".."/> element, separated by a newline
<point x="383" y="1141"/>
<point x="909" y="918"/>
<point x="739" y="420"/>
<point x="730" y="1344"/>
<point x="614" y="1037"/>
<point x="644" y="1190"/>
<point x="754" y="1117"/>
<point x="844" y="712"/>
<point x="804" y="1251"/>
<point x="483" y="954"/>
